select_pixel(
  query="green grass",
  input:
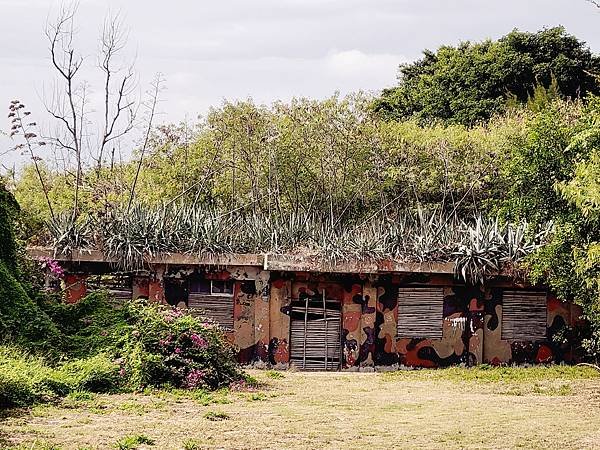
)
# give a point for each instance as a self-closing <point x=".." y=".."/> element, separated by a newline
<point x="27" y="380"/>
<point x="256" y="397"/>
<point x="274" y="374"/>
<point x="341" y="410"/>
<point x="134" y="441"/>
<point x="489" y="374"/>
<point x="191" y="444"/>
<point x="201" y="396"/>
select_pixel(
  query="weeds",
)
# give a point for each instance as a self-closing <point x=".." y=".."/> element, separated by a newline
<point x="274" y="374"/>
<point x="488" y="374"/>
<point x="191" y="444"/>
<point x="134" y="441"/>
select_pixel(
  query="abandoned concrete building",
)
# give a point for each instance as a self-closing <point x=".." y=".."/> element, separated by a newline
<point x="286" y="310"/>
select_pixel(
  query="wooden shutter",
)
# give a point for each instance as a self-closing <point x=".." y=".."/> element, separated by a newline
<point x="216" y="307"/>
<point x="315" y="333"/>
<point x="420" y="312"/>
<point x="524" y="315"/>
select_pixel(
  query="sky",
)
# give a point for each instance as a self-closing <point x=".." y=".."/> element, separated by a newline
<point x="268" y="50"/>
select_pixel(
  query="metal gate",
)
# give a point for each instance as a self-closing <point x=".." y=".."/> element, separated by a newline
<point x="315" y="332"/>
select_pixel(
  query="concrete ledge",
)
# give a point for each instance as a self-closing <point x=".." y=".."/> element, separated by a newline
<point x="282" y="263"/>
<point x="299" y="263"/>
<point x="96" y="256"/>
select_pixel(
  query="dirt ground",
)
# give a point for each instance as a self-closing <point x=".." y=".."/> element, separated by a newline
<point x="415" y="409"/>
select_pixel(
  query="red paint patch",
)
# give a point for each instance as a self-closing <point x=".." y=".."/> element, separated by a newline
<point x="282" y="353"/>
<point x="496" y="361"/>
<point x="351" y="321"/>
<point x="222" y="275"/>
<point x="554" y="303"/>
<point x="475" y="305"/>
<point x="411" y="357"/>
<point x="156" y="292"/>
<point x="278" y="284"/>
<point x="75" y="287"/>
<point x="544" y="354"/>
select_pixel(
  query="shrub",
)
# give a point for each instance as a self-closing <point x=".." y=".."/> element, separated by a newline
<point x="21" y="320"/>
<point x="26" y="380"/>
<point x="134" y="346"/>
<point x="88" y="327"/>
<point x="95" y="374"/>
<point x="165" y="346"/>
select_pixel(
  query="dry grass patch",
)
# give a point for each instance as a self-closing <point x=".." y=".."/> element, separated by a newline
<point x="454" y="408"/>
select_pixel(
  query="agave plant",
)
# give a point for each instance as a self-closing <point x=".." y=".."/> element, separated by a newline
<point x="69" y="233"/>
<point x="489" y="248"/>
<point x="479" y="247"/>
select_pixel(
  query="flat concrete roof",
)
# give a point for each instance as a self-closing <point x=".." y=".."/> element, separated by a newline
<point x="267" y="261"/>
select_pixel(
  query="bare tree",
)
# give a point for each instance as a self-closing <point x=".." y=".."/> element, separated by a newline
<point x="69" y="102"/>
<point x="150" y="104"/>
<point x="112" y="42"/>
<point x="594" y="2"/>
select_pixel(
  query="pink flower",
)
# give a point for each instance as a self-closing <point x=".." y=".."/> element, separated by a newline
<point x="173" y="314"/>
<point x="194" y="378"/>
<point x="54" y="267"/>
<point x="199" y="341"/>
<point x="122" y="372"/>
<point x="177" y="350"/>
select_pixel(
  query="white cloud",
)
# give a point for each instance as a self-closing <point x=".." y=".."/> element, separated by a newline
<point x="354" y="64"/>
<point x="268" y="49"/>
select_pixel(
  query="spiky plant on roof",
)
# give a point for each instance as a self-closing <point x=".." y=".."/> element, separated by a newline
<point x="479" y="247"/>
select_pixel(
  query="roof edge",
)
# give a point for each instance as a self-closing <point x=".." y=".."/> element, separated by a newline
<point x="267" y="261"/>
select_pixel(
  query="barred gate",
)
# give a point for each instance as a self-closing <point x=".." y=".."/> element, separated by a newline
<point x="315" y="341"/>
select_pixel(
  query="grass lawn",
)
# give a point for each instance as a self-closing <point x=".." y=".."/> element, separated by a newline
<point x="556" y="407"/>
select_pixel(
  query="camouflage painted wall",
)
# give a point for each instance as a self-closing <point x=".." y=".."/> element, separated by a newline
<point x="562" y="317"/>
<point x="471" y="322"/>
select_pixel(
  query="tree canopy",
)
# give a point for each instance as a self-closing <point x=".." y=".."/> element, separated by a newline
<point x="472" y="81"/>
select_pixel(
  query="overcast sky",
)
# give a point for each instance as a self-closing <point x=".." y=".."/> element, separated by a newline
<point x="266" y="49"/>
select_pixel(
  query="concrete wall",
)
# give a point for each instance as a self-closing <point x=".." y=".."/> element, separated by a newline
<point x="471" y="326"/>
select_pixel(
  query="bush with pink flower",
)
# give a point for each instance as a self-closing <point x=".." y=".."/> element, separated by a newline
<point x="164" y="346"/>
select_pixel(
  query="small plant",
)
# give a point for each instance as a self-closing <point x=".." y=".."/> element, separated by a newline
<point x="81" y="396"/>
<point x="256" y="397"/>
<point x="216" y="416"/>
<point x="274" y="374"/>
<point x="133" y="441"/>
<point x="191" y="444"/>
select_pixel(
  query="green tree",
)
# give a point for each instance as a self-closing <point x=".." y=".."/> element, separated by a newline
<point x="472" y="81"/>
<point x="21" y="319"/>
<point x="553" y="175"/>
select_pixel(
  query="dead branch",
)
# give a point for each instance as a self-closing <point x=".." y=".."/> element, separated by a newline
<point x="156" y="88"/>
<point x="20" y="126"/>
<point x="112" y="41"/>
<point x="67" y="63"/>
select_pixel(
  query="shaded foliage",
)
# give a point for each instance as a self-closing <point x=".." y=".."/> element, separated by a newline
<point x="472" y="81"/>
